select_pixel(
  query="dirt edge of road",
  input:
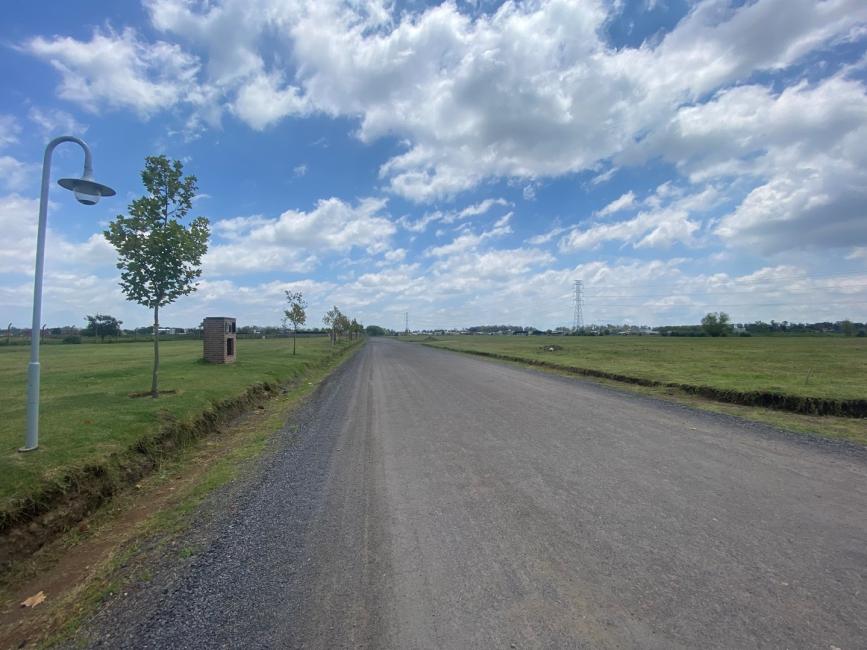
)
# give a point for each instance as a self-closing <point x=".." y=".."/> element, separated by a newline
<point x="79" y="569"/>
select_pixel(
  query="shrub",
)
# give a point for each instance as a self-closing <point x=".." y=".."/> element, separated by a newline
<point x="72" y="339"/>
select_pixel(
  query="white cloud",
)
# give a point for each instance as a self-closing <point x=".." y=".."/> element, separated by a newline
<point x="468" y="240"/>
<point x="15" y="175"/>
<point x="300" y="170"/>
<point x="823" y="205"/>
<point x="18" y="220"/>
<point x="546" y="237"/>
<point x="265" y="99"/>
<point x="653" y="229"/>
<point x="478" y="209"/>
<point x="802" y="150"/>
<point x="520" y="92"/>
<point x="624" y="202"/>
<point x="451" y="216"/>
<point x="527" y="91"/>
<point x="9" y="130"/>
<point x="396" y="255"/>
<point x="296" y="240"/>
<point x="118" y="70"/>
<point x="18" y="217"/>
<point x="420" y="224"/>
<point x="604" y="177"/>
<point x="54" y="122"/>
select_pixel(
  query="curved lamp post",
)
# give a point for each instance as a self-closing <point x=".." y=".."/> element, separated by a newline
<point x="88" y="192"/>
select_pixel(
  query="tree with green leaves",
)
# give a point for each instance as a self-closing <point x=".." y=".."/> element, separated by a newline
<point x="715" y="324"/>
<point x="342" y="325"/>
<point x="159" y="257"/>
<point x="356" y="329"/>
<point x="296" y="314"/>
<point x="331" y="320"/>
<point x="102" y="325"/>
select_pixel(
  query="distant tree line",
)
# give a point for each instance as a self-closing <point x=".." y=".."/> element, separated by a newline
<point x="21" y="335"/>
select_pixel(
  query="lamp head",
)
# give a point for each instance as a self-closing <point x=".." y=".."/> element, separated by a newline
<point x="86" y="190"/>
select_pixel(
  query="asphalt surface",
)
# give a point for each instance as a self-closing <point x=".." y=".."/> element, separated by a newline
<point x="425" y="499"/>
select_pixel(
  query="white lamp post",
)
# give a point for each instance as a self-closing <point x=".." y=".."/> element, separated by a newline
<point x="88" y="192"/>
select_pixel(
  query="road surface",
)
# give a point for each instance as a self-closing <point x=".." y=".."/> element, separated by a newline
<point x="425" y="499"/>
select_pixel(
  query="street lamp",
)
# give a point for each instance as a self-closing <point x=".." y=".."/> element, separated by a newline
<point x="88" y="192"/>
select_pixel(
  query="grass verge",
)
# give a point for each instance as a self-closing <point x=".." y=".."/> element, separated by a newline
<point x="134" y="435"/>
<point x="113" y="549"/>
<point x="813" y="376"/>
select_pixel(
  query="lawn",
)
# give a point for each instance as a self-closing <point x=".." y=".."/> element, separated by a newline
<point x="86" y="411"/>
<point x="826" y="367"/>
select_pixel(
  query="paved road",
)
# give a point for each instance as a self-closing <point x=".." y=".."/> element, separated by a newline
<point x="433" y="500"/>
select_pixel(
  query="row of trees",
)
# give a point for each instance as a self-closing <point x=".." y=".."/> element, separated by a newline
<point x="339" y="325"/>
<point x="336" y="321"/>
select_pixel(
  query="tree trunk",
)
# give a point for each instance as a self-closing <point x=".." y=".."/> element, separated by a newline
<point x="294" y="336"/>
<point x="154" y="392"/>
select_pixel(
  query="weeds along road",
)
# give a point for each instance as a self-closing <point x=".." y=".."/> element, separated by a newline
<point x="433" y="500"/>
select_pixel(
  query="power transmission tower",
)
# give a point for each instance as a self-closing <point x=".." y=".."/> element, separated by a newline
<point x="406" y="317"/>
<point x="578" y="319"/>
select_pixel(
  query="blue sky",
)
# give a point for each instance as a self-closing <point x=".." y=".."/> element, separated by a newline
<point x="464" y="162"/>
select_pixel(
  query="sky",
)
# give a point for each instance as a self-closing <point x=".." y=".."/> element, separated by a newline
<point x="462" y="162"/>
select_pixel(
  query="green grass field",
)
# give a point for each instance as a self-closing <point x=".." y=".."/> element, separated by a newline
<point x="830" y="367"/>
<point x="86" y="412"/>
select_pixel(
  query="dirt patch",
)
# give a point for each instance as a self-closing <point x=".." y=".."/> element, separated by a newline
<point x="150" y="394"/>
<point x="65" y="569"/>
<point x="34" y="520"/>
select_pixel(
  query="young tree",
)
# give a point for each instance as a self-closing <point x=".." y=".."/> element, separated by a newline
<point x="296" y="314"/>
<point x="102" y="325"/>
<point x="343" y="325"/>
<point x="715" y="324"/>
<point x="159" y="257"/>
<point x="333" y="320"/>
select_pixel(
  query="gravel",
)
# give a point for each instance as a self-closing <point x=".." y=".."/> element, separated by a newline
<point x="425" y="499"/>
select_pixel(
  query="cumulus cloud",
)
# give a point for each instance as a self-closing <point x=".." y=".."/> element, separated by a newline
<point x="15" y="175"/>
<point x="651" y="229"/>
<point x="296" y="240"/>
<point x="529" y="90"/>
<point x="519" y="93"/>
<point x="18" y="220"/>
<point x="523" y="92"/>
<point x="799" y="149"/>
<point x="118" y="70"/>
<point x="265" y="99"/>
